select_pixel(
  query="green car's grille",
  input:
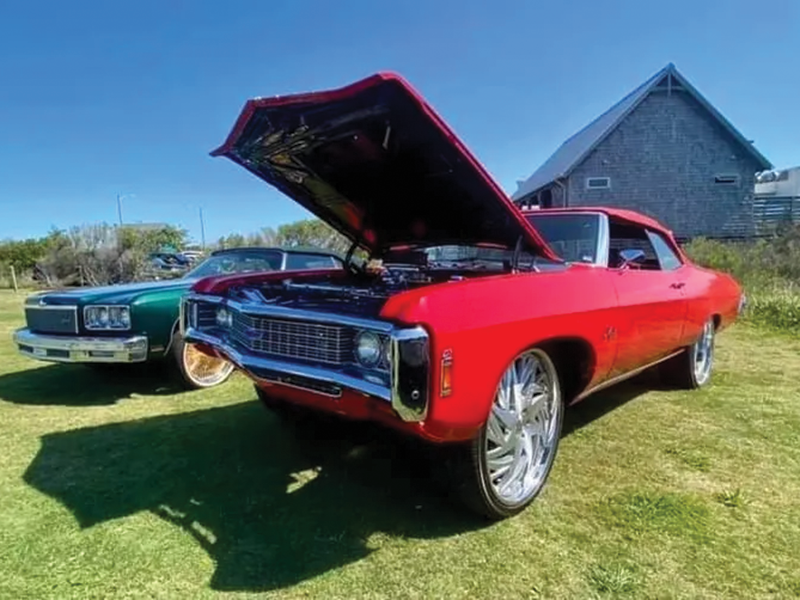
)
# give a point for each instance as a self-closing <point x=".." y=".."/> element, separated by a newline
<point x="52" y="319"/>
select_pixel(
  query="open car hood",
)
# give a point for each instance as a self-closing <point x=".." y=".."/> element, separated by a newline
<point x="375" y="162"/>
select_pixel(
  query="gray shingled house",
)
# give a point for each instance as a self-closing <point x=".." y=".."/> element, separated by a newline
<point x="663" y="150"/>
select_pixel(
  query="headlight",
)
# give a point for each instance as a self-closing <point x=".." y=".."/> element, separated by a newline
<point x="107" y="317"/>
<point x="224" y="318"/>
<point x="369" y="348"/>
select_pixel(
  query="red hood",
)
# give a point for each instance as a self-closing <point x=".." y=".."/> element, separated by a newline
<point x="376" y="162"/>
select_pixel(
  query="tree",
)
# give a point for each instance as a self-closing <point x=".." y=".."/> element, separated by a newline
<point x="312" y="232"/>
<point x="99" y="254"/>
<point x="23" y="254"/>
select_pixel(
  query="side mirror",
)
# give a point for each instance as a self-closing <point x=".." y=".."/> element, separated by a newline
<point x="631" y="256"/>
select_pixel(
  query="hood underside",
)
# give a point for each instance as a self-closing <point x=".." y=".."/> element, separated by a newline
<point x="375" y="162"/>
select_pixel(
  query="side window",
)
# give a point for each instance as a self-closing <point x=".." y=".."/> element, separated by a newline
<point x="309" y="261"/>
<point x="666" y="255"/>
<point x="631" y="237"/>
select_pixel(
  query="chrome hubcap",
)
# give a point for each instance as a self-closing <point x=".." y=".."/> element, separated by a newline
<point x="522" y="428"/>
<point x="703" y="353"/>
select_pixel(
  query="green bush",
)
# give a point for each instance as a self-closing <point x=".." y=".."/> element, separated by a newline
<point x="777" y="308"/>
<point x="769" y="271"/>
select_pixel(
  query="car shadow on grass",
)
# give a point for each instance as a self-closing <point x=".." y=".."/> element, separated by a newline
<point x="272" y="504"/>
<point x="84" y="385"/>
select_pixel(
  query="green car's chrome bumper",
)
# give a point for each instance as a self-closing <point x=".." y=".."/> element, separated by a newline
<point x="69" y="349"/>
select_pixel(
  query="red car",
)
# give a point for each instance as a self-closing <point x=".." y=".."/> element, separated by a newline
<point x="472" y="323"/>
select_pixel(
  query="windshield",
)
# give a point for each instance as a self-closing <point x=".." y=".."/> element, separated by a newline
<point x="237" y="262"/>
<point x="573" y="237"/>
<point x="476" y="257"/>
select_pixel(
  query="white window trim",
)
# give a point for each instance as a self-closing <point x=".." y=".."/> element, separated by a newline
<point x="607" y="186"/>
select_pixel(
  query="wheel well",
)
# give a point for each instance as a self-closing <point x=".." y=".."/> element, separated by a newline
<point x="575" y="362"/>
<point x="173" y="331"/>
<point x="717" y="320"/>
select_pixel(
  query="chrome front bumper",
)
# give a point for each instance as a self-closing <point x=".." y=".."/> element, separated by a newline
<point x="407" y="387"/>
<point x="81" y="349"/>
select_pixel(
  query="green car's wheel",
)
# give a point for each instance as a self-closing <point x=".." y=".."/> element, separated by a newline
<point x="197" y="370"/>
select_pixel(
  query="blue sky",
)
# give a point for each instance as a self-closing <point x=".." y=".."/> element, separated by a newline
<point x="106" y="98"/>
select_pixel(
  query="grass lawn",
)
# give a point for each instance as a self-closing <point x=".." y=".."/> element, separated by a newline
<point x="122" y="488"/>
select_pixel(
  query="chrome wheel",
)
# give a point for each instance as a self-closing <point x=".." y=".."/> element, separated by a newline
<point x="703" y="354"/>
<point x="203" y="370"/>
<point x="523" y="428"/>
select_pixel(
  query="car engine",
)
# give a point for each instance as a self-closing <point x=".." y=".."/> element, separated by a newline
<point x="361" y="294"/>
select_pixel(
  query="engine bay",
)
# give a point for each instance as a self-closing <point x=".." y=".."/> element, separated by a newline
<point x="357" y="293"/>
<point x="363" y="290"/>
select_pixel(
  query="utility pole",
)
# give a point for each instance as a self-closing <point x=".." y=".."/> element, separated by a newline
<point x="202" y="231"/>
<point x="119" y="209"/>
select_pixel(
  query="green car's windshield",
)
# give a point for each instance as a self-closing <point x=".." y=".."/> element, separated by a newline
<point x="237" y="262"/>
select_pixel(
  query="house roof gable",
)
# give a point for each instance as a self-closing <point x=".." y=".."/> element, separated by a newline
<point x="576" y="148"/>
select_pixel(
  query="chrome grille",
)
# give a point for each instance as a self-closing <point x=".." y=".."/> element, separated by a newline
<point x="52" y="319"/>
<point x="314" y="342"/>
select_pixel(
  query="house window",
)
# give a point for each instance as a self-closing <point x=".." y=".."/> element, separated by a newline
<point x="598" y="183"/>
<point x="731" y="179"/>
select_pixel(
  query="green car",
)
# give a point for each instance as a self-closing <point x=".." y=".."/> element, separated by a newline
<point x="138" y="322"/>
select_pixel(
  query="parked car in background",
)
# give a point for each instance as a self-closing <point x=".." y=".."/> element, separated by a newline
<point x="477" y="324"/>
<point x="192" y="255"/>
<point x="138" y="322"/>
<point x="168" y="263"/>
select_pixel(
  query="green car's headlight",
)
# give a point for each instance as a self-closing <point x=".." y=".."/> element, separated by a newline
<point x="107" y="317"/>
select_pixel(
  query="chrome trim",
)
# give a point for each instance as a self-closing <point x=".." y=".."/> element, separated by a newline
<point x="253" y="364"/>
<point x="623" y="376"/>
<point x="271" y="381"/>
<point x="51" y="306"/>
<point x="603" y="241"/>
<point x="293" y="314"/>
<point x="79" y="349"/>
<point x="410" y="383"/>
<point x="107" y="306"/>
<point x="307" y="341"/>
<point x="72" y="307"/>
<point x="182" y="324"/>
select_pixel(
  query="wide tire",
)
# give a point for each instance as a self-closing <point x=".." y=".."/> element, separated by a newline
<point x="196" y="370"/>
<point x="692" y="368"/>
<point x="501" y="471"/>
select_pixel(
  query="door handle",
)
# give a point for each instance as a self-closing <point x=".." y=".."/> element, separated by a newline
<point x="678" y="285"/>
